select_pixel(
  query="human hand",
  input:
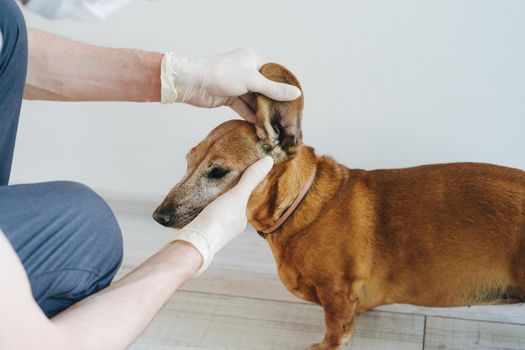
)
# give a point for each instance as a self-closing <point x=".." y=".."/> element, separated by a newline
<point x="228" y="79"/>
<point x="225" y="217"/>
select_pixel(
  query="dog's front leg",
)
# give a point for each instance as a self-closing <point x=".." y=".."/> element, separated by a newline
<point x="339" y="313"/>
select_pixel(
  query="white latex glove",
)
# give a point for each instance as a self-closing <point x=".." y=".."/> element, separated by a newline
<point x="225" y="217"/>
<point x="222" y="80"/>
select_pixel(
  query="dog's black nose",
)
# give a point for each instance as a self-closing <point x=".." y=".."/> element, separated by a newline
<point x="164" y="214"/>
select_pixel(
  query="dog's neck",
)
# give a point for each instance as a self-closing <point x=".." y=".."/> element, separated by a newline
<point x="281" y="187"/>
<point x="290" y="210"/>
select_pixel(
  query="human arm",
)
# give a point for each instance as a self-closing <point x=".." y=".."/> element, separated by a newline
<point x="62" y="69"/>
<point x="109" y="319"/>
<point x="115" y="316"/>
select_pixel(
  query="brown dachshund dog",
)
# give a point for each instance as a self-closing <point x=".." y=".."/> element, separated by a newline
<point x="349" y="239"/>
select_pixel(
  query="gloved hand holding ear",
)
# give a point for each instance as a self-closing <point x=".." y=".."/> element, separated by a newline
<point x="222" y="80"/>
<point x="225" y="217"/>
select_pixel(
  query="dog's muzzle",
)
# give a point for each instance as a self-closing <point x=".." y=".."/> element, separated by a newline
<point x="164" y="215"/>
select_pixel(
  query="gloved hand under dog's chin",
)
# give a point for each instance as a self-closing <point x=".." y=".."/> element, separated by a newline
<point x="225" y="217"/>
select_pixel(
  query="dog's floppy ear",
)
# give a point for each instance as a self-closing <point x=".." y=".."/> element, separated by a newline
<point x="279" y="123"/>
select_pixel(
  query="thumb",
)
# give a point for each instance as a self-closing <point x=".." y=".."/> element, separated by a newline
<point x="272" y="89"/>
<point x="253" y="175"/>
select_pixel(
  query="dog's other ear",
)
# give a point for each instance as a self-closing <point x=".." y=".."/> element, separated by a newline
<point x="279" y="123"/>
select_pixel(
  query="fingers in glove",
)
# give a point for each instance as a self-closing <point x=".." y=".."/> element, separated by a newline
<point x="252" y="176"/>
<point x="249" y="99"/>
<point x="243" y="109"/>
<point x="272" y="89"/>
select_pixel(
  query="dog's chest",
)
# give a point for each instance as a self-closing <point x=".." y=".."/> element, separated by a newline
<point x="296" y="283"/>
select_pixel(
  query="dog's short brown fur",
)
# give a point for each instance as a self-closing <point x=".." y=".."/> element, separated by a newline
<point x="434" y="235"/>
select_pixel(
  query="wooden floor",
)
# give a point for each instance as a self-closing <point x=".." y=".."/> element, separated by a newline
<point x="239" y="303"/>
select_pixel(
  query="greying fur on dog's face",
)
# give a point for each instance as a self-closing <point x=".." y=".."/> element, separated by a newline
<point x="214" y="166"/>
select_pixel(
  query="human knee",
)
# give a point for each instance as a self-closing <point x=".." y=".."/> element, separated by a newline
<point x="96" y="224"/>
<point x="83" y="200"/>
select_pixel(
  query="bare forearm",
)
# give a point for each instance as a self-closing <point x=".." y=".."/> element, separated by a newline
<point x="66" y="70"/>
<point x="110" y="319"/>
<point x="113" y="318"/>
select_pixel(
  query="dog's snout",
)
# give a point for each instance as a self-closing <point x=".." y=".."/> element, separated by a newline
<point x="164" y="214"/>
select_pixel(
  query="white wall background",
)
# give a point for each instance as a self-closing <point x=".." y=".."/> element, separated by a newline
<point x="387" y="84"/>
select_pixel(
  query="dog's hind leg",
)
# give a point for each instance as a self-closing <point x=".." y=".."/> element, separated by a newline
<point x="339" y="313"/>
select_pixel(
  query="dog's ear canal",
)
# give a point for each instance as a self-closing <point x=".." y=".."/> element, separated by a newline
<point x="279" y="123"/>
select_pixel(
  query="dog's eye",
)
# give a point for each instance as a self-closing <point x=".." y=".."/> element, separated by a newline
<point x="217" y="173"/>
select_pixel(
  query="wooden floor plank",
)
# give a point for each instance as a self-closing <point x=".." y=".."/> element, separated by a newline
<point x="451" y="334"/>
<point x="207" y="321"/>
<point x="511" y="313"/>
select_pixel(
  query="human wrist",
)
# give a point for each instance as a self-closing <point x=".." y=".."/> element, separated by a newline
<point x="200" y="242"/>
<point x="139" y="73"/>
<point x="184" y="256"/>
<point x="149" y="66"/>
<point x="168" y="93"/>
<point x="179" y="76"/>
<point x="152" y="61"/>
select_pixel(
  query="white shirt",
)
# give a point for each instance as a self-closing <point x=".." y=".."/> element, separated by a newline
<point x="75" y="9"/>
